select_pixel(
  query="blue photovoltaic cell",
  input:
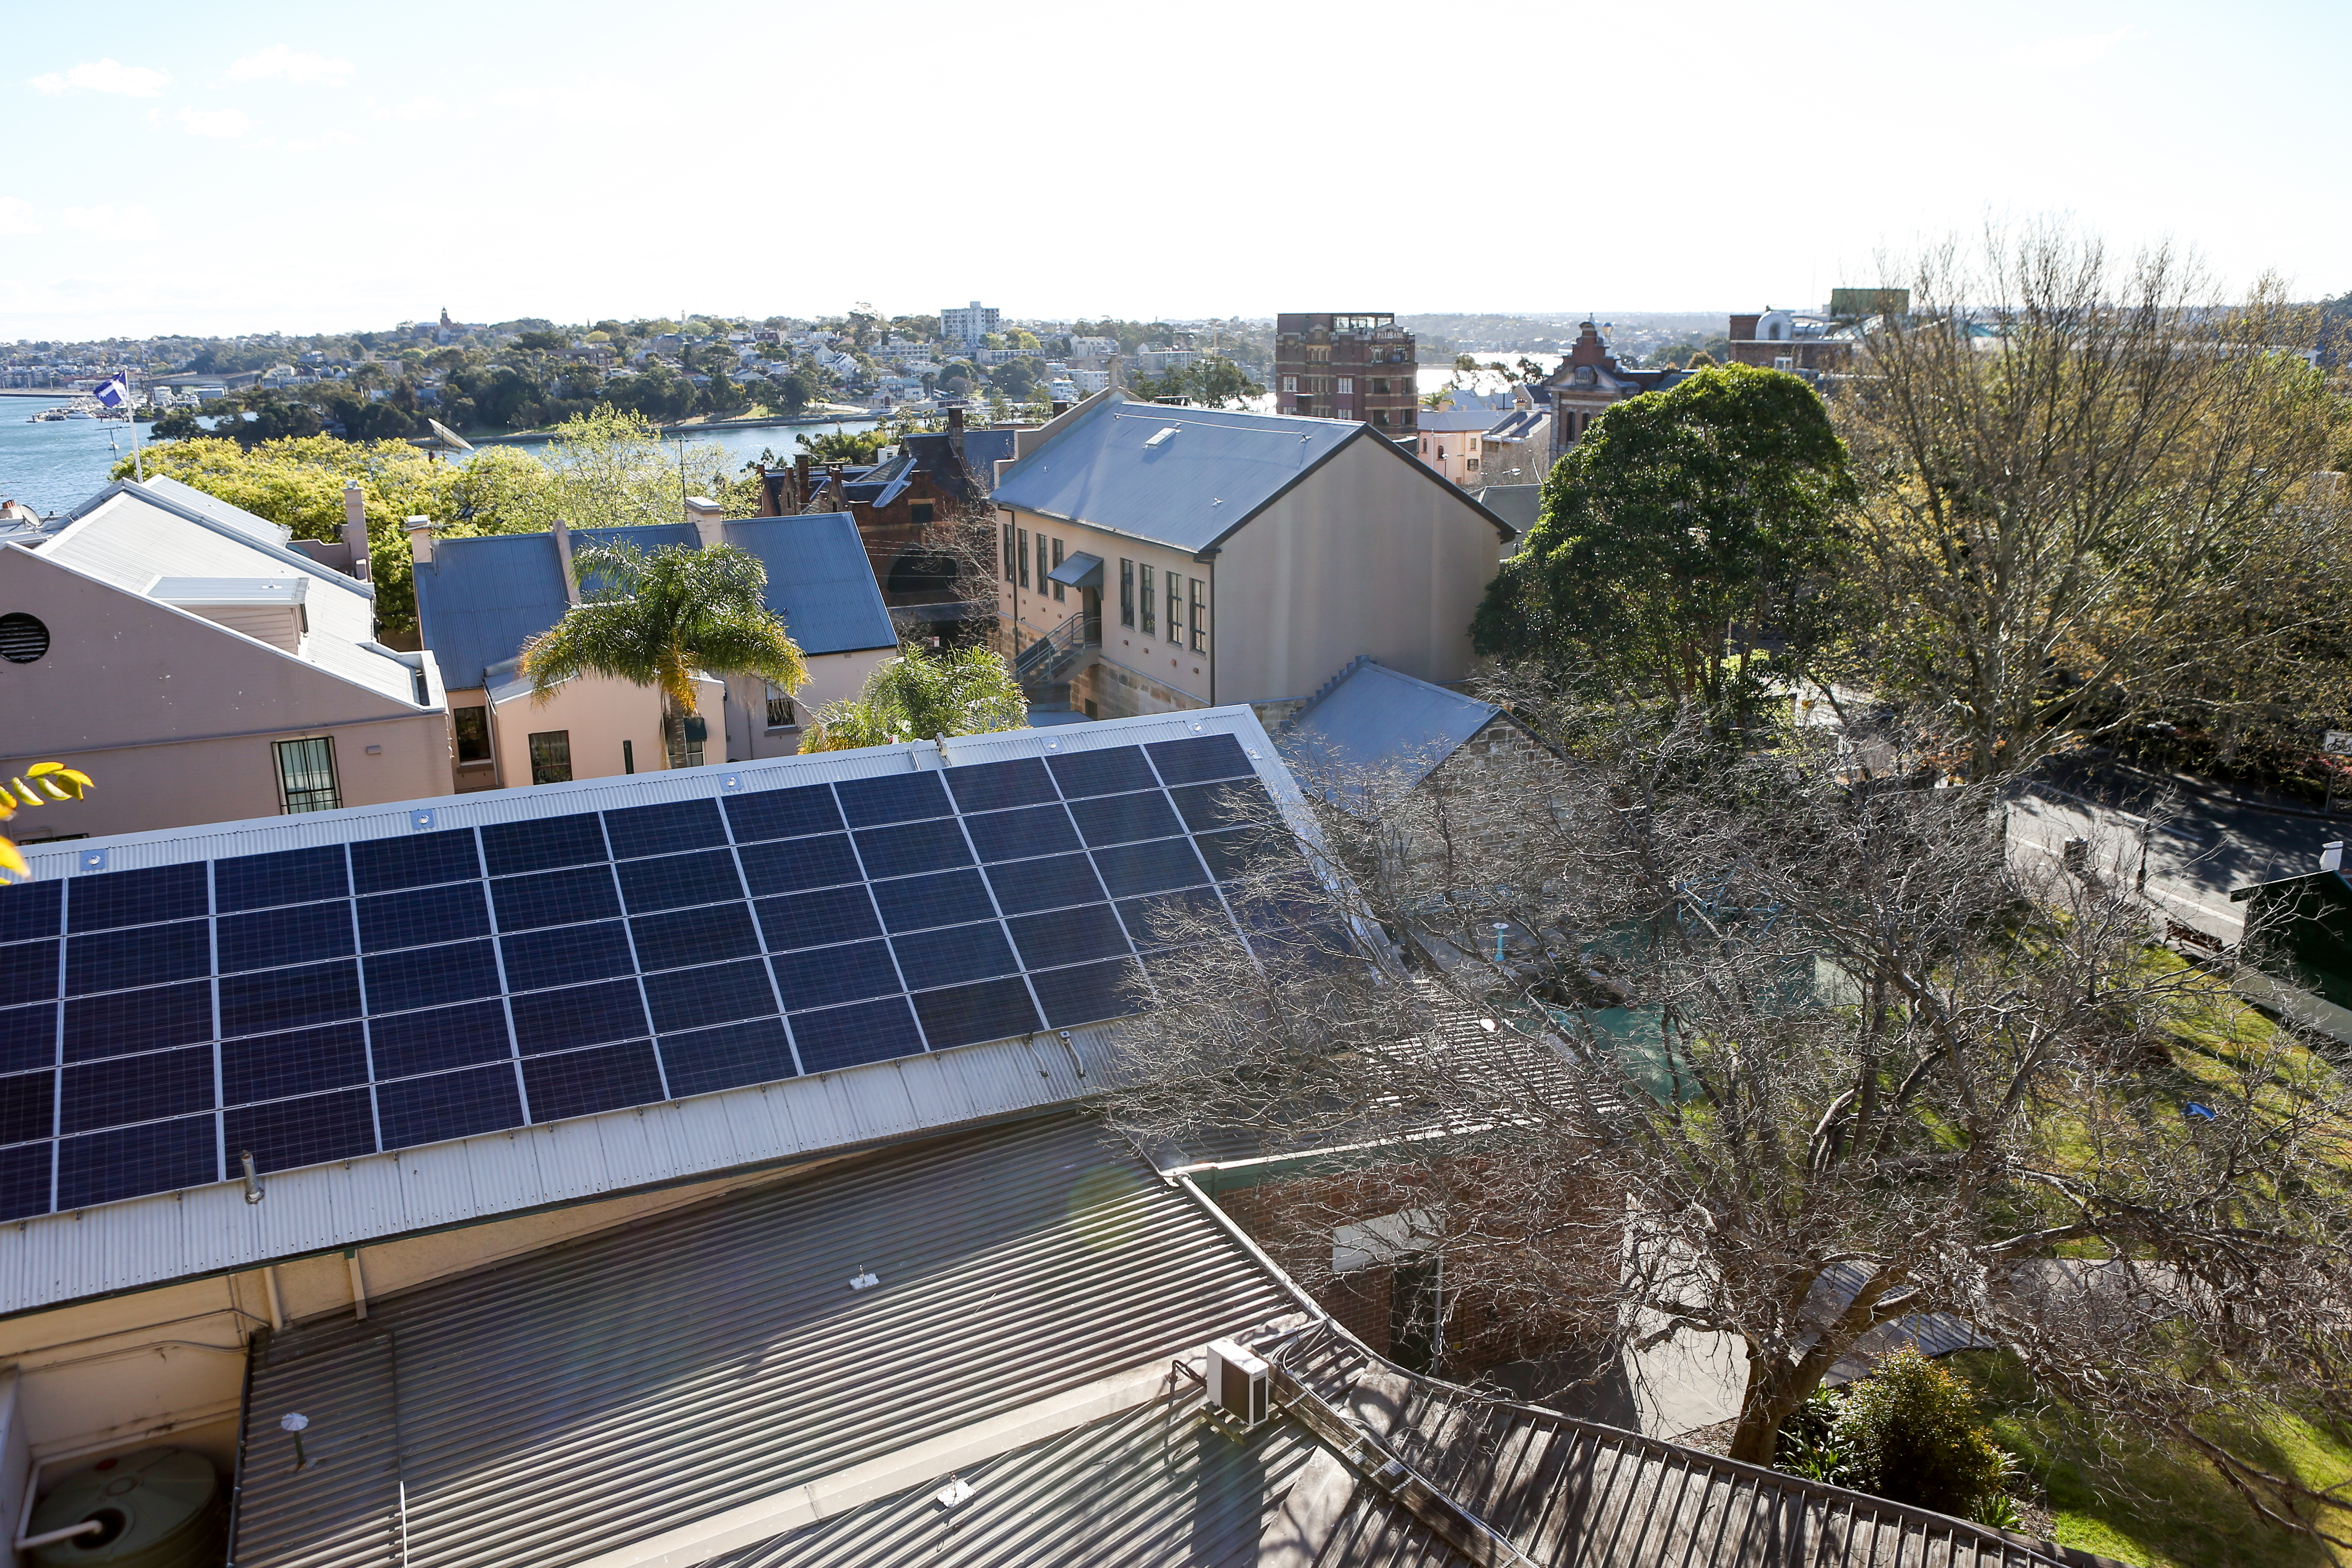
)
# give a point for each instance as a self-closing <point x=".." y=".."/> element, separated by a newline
<point x="1166" y="917"/>
<point x="813" y="920"/>
<point x="725" y="1057"/>
<point x="31" y="909"/>
<point x="555" y="897"/>
<point x="1089" y="992"/>
<point x="911" y="847"/>
<point x="672" y="881"/>
<point x="987" y="1011"/>
<point x="991" y="786"/>
<point x="1199" y="757"/>
<point x="663" y="829"/>
<point x="429" y="1042"/>
<point x="566" y="955"/>
<point x="784" y="814"/>
<point x="130" y="1021"/>
<point x="795" y="865"/>
<point x="25" y="1180"/>
<point x="302" y="933"/>
<point x="28" y="1106"/>
<point x="28" y="1037"/>
<point x="382" y="865"/>
<point x="1123" y="818"/>
<point x="136" y="1089"/>
<point x="582" y="1083"/>
<point x="29" y="973"/>
<point x="828" y="974"/>
<point x="272" y="1066"/>
<point x="582" y="1016"/>
<point x="694" y="936"/>
<point x="946" y="897"/>
<point x="273" y="999"/>
<point x="1239" y="850"/>
<point x="426" y="915"/>
<point x="1209" y="806"/>
<point x="721" y="994"/>
<point x="138" y="898"/>
<point x="100" y="1167"/>
<point x="289" y="877"/>
<point x="1016" y="835"/>
<point x="1133" y="868"/>
<point x="447" y="1105"/>
<point x="954" y="955"/>
<point x="305" y="1131"/>
<point x="1068" y="936"/>
<point x="1101" y="773"/>
<point x="511" y="847"/>
<point x="892" y="797"/>
<point x="430" y="976"/>
<point x="1026" y="885"/>
<point x="140" y="955"/>
<point x="864" y="1032"/>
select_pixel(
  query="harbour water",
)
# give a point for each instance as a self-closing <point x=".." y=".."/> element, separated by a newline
<point x="53" y="465"/>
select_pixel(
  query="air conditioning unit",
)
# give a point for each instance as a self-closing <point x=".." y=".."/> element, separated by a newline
<point x="1237" y="1382"/>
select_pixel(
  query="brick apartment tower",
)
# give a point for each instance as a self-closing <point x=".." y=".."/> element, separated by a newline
<point x="1360" y="367"/>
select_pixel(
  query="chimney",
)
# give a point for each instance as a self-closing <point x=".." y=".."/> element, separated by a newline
<point x="1061" y="406"/>
<point x="420" y="539"/>
<point x="708" y="519"/>
<point x="562" y="533"/>
<point x="355" y="532"/>
<point x="955" y="415"/>
<point x="800" y="481"/>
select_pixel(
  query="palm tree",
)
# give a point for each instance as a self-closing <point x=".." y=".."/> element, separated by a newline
<point x="918" y="696"/>
<point x="657" y="619"/>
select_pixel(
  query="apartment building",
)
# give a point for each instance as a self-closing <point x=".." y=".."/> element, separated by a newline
<point x="1339" y="366"/>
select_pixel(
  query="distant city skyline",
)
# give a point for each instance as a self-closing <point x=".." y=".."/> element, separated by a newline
<point x="256" y="167"/>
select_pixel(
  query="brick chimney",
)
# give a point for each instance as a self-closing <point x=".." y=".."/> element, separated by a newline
<point x="800" y="481"/>
<point x="955" y="415"/>
<point x="709" y="520"/>
<point x="355" y="532"/>
<point x="420" y="539"/>
<point x="562" y="530"/>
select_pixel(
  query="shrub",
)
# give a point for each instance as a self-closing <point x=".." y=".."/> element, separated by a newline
<point x="1909" y="1432"/>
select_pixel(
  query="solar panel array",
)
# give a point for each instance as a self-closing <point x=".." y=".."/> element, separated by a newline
<point x="317" y="1004"/>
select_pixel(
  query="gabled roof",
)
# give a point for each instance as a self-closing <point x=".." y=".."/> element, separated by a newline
<point x="1519" y="505"/>
<point x="480" y="599"/>
<point x="1185" y="477"/>
<point x="1372" y="719"/>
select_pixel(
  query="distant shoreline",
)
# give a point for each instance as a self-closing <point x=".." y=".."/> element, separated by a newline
<point x="762" y="421"/>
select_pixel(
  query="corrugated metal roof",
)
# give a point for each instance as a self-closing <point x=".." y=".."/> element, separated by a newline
<point x="480" y="599"/>
<point x="1519" y="505"/>
<point x="286" y="591"/>
<point x="1372" y="719"/>
<point x="220" y="510"/>
<point x="1220" y="469"/>
<point x="560" y="1407"/>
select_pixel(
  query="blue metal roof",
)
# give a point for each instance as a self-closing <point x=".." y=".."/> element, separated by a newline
<point x="1373" y="718"/>
<point x="480" y="599"/>
<point x="1188" y="490"/>
<point x="982" y="450"/>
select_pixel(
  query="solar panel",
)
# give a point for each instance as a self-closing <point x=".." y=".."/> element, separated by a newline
<point x="324" y="1003"/>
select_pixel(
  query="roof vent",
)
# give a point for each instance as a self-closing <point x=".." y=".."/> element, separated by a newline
<point x="1165" y="431"/>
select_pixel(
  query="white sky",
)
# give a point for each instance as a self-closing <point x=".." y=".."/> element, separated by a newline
<point x="238" y="167"/>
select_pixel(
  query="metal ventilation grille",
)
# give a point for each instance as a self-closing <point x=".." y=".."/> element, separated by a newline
<point x="318" y="1004"/>
<point x="23" y="638"/>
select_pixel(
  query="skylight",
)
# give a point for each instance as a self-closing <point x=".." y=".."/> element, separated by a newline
<point x="1165" y="431"/>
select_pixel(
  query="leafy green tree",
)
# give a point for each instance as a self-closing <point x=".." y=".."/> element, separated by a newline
<point x="659" y="619"/>
<point x="919" y="695"/>
<point x="1679" y="529"/>
<point x="1910" y="1431"/>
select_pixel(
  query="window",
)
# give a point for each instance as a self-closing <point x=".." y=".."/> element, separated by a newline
<point x="1059" y="591"/>
<point x="1125" y="592"/>
<point x="1289" y="384"/>
<point x="1150" y="617"/>
<point x="1200" y="618"/>
<point x="306" y="775"/>
<point x="921" y="512"/>
<point x="1011" y="560"/>
<point x="1347" y="385"/>
<point x="780" y="708"/>
<point x="628" y="756"/>
<point x="1379" y="416"/>
<point x="1380" y="385"/>
<point x="1404" y="416"/>
<point x="1023" y="557"/>
<point x="473" y="728"/>
<point x="1471" y="465"/>
<point x="1042" y="567"/>
<point x="1175" y="607"/>
<point x="551" y="757"/>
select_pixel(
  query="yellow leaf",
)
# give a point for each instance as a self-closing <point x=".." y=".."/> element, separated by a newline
<point x="27" y="792"/>
<point x="12" y="862"/>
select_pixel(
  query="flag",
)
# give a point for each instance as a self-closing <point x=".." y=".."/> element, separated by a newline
<point x="114" y="391"/>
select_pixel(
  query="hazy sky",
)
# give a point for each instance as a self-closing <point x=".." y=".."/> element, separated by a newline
<point x="233" y="167"/>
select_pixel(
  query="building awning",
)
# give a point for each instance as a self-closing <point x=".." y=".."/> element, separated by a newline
<point x="1080" y="570"/>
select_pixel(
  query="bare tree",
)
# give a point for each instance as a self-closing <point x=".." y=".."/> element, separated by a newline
<point x="1654" y="1038"/>
<point x="2090" y="496"/>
